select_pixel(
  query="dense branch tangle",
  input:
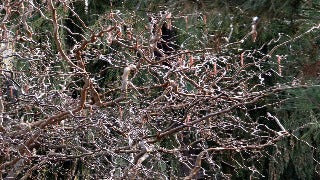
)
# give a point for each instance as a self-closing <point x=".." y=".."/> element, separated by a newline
<point x="141" y="108"/>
